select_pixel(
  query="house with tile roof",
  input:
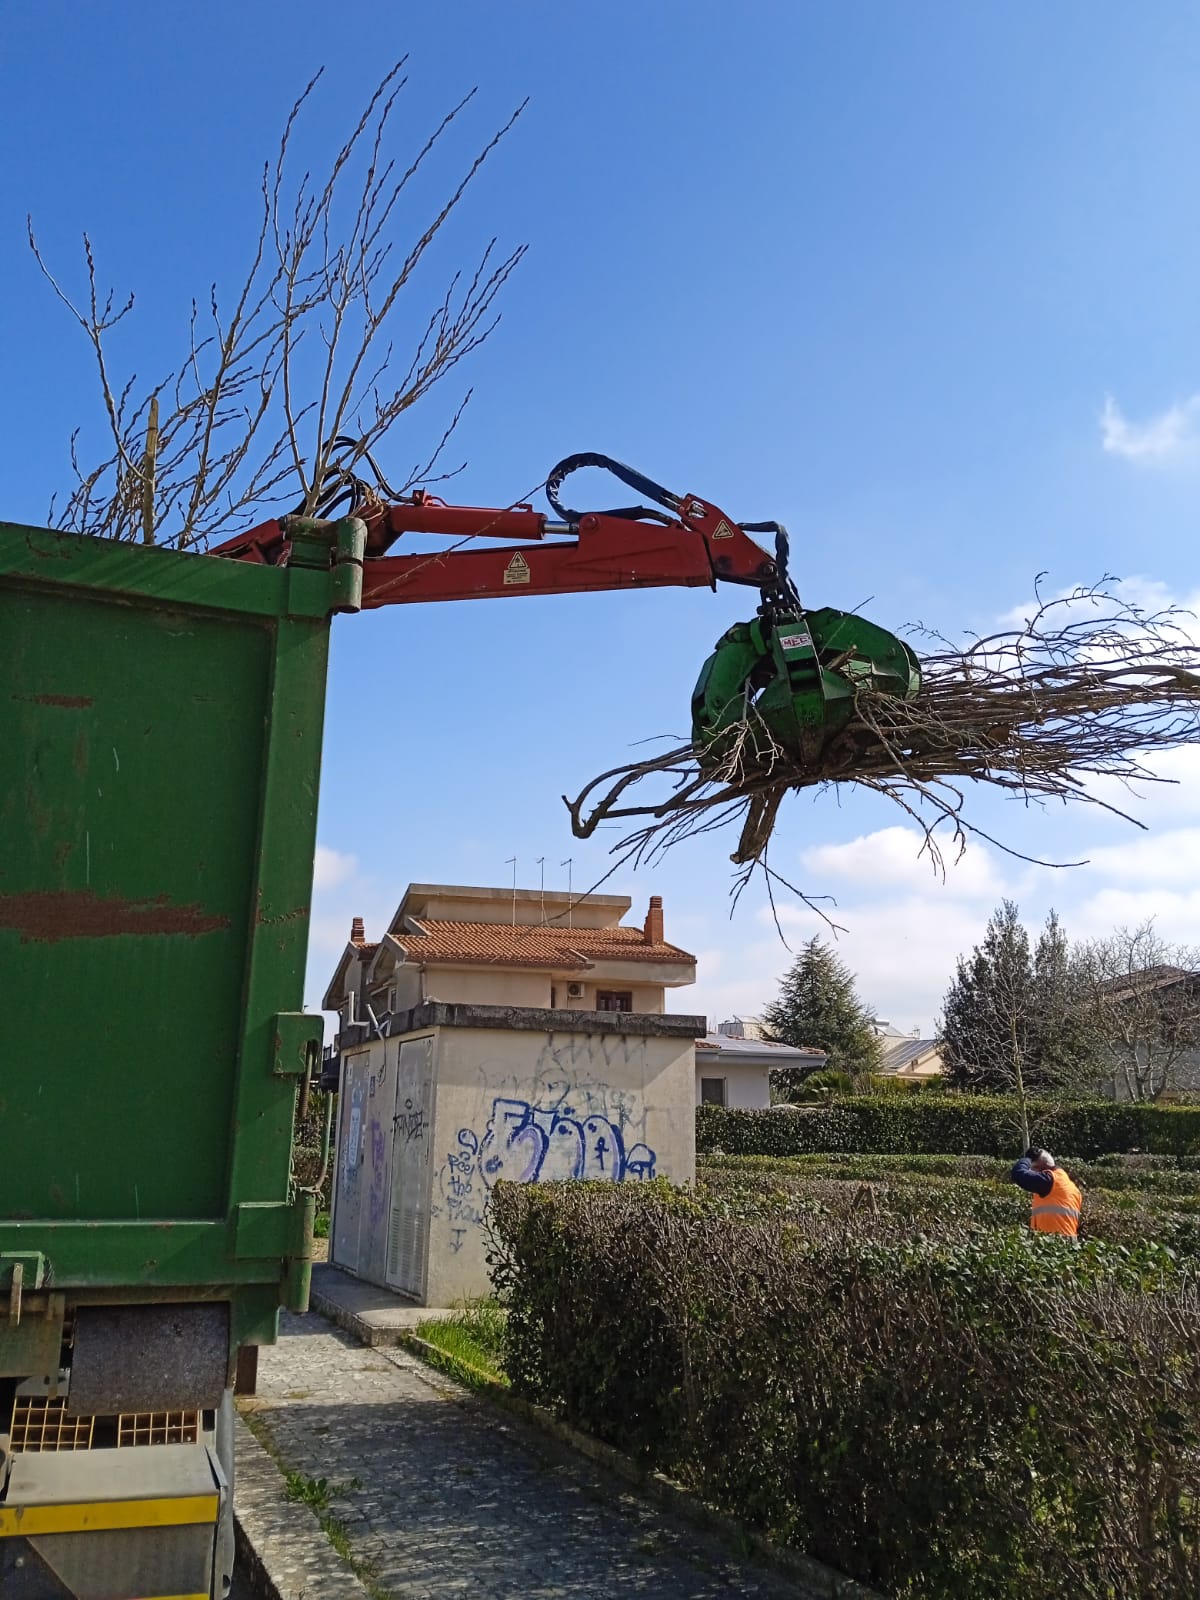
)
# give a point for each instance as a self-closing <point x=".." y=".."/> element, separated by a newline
<point x="734" y="1068"/>
<point x="505" y="947"/>
<point x="498" y="1033"/>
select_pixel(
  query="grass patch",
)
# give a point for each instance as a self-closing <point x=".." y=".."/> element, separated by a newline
<point x="471" y="1343"/>
<point x="316" y="1493"/>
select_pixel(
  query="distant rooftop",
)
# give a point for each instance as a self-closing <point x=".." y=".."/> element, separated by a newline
<point x="904" y="1052"/>
<point x="760" y="1049"/>
<point x="556" y="948"/>
<point x="741" y="1028"/>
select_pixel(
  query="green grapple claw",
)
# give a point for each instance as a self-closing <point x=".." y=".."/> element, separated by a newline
<point x="789" y="682"/>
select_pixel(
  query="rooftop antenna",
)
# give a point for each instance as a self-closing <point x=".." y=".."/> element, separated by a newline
<point x="541" y="861"/>
<point x="513" y="859"/>
<point x="570" y="902"/>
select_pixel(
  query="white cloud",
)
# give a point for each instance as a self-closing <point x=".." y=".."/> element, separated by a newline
<point x="332" y="868"/>
<point x="340" y="892"/>
<point x="893" y="858"/>
<point x="902" y="951"/>
<point x="1166" y="858"/>
<point x="1175" y="913"/>
<point x="1174" y="797"/>
<point x="1171" y="436"/>
<point x="1149" y="595"/>
<point x="738" y="983"/>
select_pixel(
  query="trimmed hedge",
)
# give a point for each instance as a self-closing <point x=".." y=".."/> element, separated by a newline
<point x="987" y="1418"/>
<point x="938" y="1200"/>
<point x="949" y="1124"/>
<point x="1169" y="1176"/>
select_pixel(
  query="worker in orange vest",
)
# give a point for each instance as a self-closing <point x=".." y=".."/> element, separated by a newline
<point x="1056" y="1202"/>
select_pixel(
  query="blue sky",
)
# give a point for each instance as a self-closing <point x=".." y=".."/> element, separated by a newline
<point x="919" y="281"/>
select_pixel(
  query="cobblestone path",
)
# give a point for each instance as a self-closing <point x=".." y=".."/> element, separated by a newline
<point x="443" y="1496"/>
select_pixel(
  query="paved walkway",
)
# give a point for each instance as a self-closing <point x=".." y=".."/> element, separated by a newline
<point x="443" y="1496"/>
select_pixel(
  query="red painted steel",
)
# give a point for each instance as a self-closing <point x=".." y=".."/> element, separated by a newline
<point x="701" y="547"/>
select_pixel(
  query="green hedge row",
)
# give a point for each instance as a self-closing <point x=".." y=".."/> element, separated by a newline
<point x="1169" y="1176"/>
<point x="937" y="1202"/>
<point x="992" y="1418"/>
<point x="949" y="1124"/>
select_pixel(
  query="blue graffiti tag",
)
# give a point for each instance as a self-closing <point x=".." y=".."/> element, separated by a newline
<point x="464" y="1202"/>
<point x="527" y="1144"/>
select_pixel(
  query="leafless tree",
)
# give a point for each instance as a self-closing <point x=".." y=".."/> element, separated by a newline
<point x="288" y="382"/>
<point x="1143" y="1003"/>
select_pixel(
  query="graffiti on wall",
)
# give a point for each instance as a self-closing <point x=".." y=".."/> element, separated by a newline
<point x="353" y="1141"/>
<point x="378" y="1198"/>
<point x="525" y="1143"/>
<point x="411" y="1123"/>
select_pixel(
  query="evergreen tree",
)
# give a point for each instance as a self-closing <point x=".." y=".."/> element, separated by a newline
<point x="817" y="1006"/>
<point x="986" y="1035"/>
<point x="1012" y="1022"/>
<point x="1066" y="1046"/>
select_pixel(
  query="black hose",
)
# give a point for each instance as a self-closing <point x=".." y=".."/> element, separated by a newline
<point x="637" y="481"/>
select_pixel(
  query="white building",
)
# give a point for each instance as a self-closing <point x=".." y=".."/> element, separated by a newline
<point x="490" y="1034"/>
<point x="734" y="1070"/>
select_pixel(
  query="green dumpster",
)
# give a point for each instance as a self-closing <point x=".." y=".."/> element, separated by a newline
<point x="160" y="742"/>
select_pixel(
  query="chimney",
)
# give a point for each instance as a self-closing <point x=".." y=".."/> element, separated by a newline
<point x="358" y="933"/>
<point x="654" y="921"/>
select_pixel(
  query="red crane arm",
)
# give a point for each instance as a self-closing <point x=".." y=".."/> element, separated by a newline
<point x="700" y="546"/>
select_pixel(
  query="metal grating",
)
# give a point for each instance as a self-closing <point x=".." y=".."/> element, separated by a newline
<point x="158" y="1427"/>
<point x="40" y="1424"/>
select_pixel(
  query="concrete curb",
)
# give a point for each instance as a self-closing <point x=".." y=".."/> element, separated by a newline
<point x="373" y="1317"/>
<point x="349" y="1322"/>
<point x="823" y="1581"/>
<point x="281" y="1545"/>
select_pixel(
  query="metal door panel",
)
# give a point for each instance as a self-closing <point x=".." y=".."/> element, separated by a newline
<point x="408" y="1232"/>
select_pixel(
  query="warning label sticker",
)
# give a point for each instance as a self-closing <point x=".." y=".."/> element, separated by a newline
<point x="795" y="641"/>
<point x="722" y="530"/>
<point x="517" y="570"/>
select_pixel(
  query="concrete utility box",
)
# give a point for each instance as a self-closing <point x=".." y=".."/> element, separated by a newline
<point x="441" y="1100"/>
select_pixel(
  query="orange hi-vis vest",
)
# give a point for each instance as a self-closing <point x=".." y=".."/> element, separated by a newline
<point x="1058" y="1211"/>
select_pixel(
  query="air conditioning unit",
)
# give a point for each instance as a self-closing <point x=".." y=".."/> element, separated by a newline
<point x="574" y="991"/>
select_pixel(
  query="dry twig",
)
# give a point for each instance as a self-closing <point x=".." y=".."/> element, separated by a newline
<point x="313" y="316"/>
<point x="1089" y="686"/>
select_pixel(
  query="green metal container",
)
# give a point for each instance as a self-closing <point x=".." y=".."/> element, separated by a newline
<point x="160" y="741"/>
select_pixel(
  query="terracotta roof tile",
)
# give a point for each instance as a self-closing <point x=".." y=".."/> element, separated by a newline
<point x="558" y="948"/>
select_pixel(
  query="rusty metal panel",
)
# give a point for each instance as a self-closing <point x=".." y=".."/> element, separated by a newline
<point x="148" y="1358"/>
<point x="161" y="718"/>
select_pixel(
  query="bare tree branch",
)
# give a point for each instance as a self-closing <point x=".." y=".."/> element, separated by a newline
<point x="277" y="378"/>
<point x="1089" y="686"/>
<point x="1143" y="1004"/>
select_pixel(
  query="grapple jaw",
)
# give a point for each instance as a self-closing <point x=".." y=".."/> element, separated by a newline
<point x="788" y="681"/>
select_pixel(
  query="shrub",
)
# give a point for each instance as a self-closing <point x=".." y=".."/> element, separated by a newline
<point x="306" y="1169"/>
<point x="953" y="1124"/>
<point x="890" y="1083"/>
<point x="939" y="1196"/>
<point x="1169" y="1176"/>
<point x="938" y="1418"/>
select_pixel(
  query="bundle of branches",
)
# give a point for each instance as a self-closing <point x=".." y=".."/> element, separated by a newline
<point x="1089" y="685"/>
